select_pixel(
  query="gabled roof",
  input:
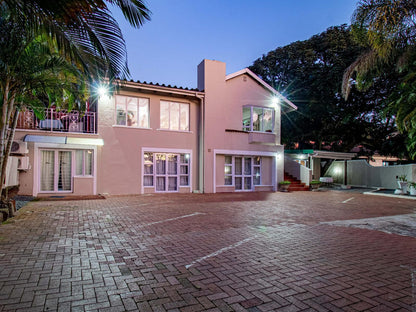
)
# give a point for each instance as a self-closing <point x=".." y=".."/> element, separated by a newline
<point x="263" y="84"/>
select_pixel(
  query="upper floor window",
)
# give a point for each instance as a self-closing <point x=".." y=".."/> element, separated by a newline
<point x="259" y="119"/>
<point x="132" y="111"/>
<point x="174" y="116"/>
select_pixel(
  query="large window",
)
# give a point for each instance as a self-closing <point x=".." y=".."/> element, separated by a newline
<point x="259" y="119"/>
<point x="244" y="172"/>
<point x="83" y="162"/>
<point x="132" y="111"/>
<point x="58" y="167"/>
<point x="174" y="116"/>
<point x="165" y="172"/>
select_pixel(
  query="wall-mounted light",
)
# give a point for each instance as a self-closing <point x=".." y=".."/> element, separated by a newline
<point x="276" y="100"/>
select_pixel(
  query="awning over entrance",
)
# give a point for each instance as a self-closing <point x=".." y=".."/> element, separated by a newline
<point x="63" y="140"/>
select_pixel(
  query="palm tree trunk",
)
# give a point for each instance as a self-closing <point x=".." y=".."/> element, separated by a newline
<point x="3" y="173"/>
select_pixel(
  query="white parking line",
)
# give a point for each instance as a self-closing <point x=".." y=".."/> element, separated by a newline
<point x="216" y="253"/>
<point x="346" y="201"/>
<point x="173" y="219"/>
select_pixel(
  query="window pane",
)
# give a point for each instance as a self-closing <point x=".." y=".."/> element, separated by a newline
<point x="246" y="118"/>
<point x="121" y="115"/>
<point x="184" y="169"/>
<point x="268" y="120"/>
<point x="184" y="117"/>
<point x="247" y="165"/>
<point x="238" y="183"/>
<point x="172" y="183"/>
<point x="256" y="180"/>
<point x="228" y="160"/>
<point x="132" y="112"/>
<point x="144" y="113"/>
<point x="185" y="158"/>
<point x="47" y="175"/>
<point x="184" y="181"/>
<point x="160" y="164"/>
<point x="228" y="180"/>
<point x="164" y="115"/>
<point x="160" y="184"/>
<point x="174" y="116"/>
<point x="172" y="164"/>
<point x="148" y="163"/>
<point x="257" y="160"/>
<point x="79" y="161"/>
<point x="227" y="170"/>
<point x="148" y="181"/>
<point x="247" y="183"/>
<point x="88" y="162"/>
<point x="64" y="167"/>
<point x="238" y="166"/>
<point x="257" y="116"/>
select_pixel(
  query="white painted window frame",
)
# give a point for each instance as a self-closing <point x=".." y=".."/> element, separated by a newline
<point x="177" y="152"/>
<point x="242" y="175"/>
<point x="138" y="111"/>
<point x="63" y="147"/>
<point x="274" y="156"/>
<point x="170" y="117"/>
<point x="251" y="118"/>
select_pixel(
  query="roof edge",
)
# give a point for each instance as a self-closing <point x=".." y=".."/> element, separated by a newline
<point x="263" y="83"/>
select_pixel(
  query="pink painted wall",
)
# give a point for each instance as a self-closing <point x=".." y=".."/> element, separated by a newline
<point x="120" y="159"/>
<point x="224" y="100"/>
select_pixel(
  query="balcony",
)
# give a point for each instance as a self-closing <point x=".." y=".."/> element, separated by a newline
<point x="58" y="121"/>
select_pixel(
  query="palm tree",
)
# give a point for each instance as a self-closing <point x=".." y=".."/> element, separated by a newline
<point x="32" y="70"/>
<point x="84" y="30"/>
<point x="388" y="29"/>
<point x="50" y="49"/>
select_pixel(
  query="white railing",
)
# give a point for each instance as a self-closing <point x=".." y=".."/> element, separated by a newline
<point x="58" y="121"/>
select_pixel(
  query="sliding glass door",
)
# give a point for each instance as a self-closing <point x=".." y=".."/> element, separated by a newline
<point x="56" y="171"/>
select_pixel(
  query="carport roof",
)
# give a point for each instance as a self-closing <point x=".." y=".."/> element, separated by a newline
<point x="323" y="154"/>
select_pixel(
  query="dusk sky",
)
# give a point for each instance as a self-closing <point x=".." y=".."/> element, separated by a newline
<point x="182" y="33"/>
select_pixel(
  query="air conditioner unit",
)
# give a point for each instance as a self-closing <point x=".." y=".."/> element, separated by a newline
<point x="23" y="163"/>
<point x="19" y="147"/>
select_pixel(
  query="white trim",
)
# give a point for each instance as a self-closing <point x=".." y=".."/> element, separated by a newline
<point x="262" y="82"/>
<point x="274" y="155"/>
<point x="167" y="151"/>
<point x="54" y="146"/>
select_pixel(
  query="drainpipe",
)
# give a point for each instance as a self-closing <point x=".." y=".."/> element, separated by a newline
<point x="201" y="144"/>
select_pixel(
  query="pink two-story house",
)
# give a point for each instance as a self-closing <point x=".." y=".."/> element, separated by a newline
<point x="223" y="136"/>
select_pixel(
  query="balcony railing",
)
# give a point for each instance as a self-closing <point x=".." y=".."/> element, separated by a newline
<point x="58" y="121"/>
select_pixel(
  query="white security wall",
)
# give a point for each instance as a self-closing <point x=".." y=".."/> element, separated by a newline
<point x="360" y="173"/>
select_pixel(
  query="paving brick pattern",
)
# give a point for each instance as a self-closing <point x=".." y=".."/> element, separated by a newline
<point x="210" y="252"/>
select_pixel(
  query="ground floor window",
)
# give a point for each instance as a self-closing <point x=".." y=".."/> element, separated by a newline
<point x="243" y="172"/>
<point x="58" y="167"/>
<point x="165" y="171"/>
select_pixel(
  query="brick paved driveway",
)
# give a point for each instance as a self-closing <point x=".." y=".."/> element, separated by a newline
<point x="211" y="252"/>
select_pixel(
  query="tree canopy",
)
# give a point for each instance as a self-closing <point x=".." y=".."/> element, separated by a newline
<point x="310" y="73"/>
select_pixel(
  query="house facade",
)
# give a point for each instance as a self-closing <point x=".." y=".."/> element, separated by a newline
<point x="146" y="138"/>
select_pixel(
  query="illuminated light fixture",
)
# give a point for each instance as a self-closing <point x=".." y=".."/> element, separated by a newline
<point x="102" y="90"/>
<point x="276" y="100"/>
<point x="337" y="170"/>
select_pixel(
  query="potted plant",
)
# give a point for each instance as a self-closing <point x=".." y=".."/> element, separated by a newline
<point x="412" y="188"/>
<point x="402" y="181"/>
<point x="284" y="185"/>
<point x="315" y="184"/>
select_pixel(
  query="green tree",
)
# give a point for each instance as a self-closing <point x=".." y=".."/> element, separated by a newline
<point x="388" y="30"/>
<point x="310" y="73"/>
<point x="32" y="72"/>
<point x="85" y="30"/>
<point x="50" y="50"/>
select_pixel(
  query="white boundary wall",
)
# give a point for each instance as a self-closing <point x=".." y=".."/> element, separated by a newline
<point x="298" y="171"/>
<point x="360" y="173"/>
